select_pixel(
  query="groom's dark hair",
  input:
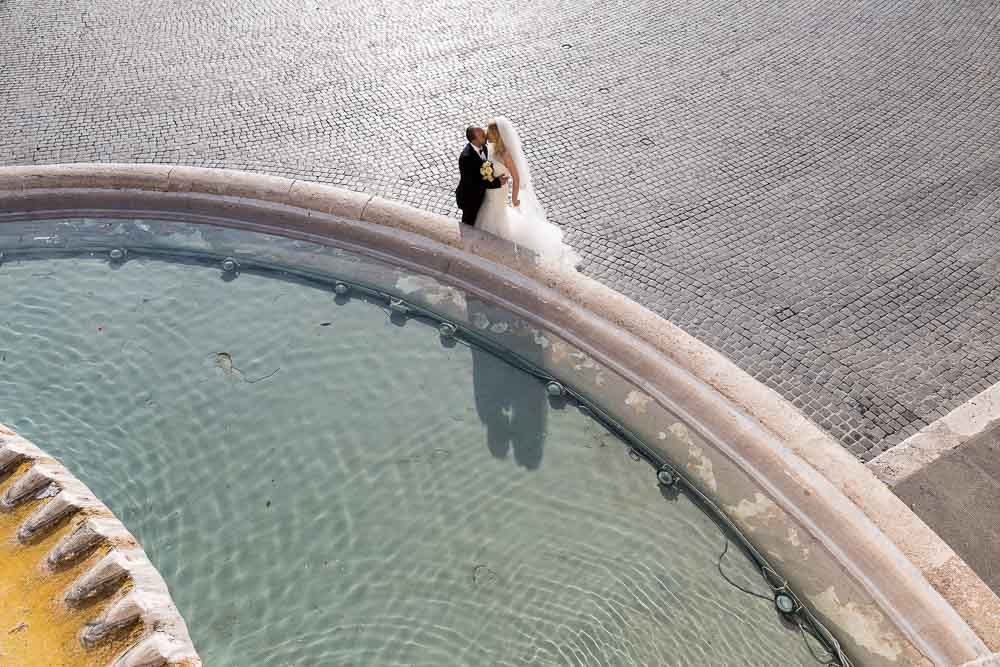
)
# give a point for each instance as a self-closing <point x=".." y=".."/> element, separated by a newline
<point x="470" y="132"/>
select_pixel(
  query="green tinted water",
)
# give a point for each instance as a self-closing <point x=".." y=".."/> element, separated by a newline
<point x="321" y="486"/>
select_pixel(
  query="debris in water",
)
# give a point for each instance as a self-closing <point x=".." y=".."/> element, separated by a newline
<point x="483" y="576"/>
<point x="224" y="360"/>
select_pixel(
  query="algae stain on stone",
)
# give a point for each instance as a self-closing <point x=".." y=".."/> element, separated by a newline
<point x="436" y="293"/>
<point x="862" y="623"/>
<point x="757" y="513"/>
<point x="637" y="401"/>
<point x="480" y="321"/>
<point x="793" y="538"/>
<point x="760" y="509"/>
<point x="700" y="464"/>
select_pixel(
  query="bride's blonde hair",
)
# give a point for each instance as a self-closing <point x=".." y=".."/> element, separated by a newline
<point x="493" y="136"/>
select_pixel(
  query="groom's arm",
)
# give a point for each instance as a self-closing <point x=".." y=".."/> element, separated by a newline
<point x="470" y="165"/>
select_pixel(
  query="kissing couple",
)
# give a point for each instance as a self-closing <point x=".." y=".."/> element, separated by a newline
<point x="496" y="194"/>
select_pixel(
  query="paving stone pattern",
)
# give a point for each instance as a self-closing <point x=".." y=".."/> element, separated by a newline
<point x="811" y="187"/>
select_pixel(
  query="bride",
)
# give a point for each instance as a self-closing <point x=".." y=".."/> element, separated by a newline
<point x="524" y="222"/>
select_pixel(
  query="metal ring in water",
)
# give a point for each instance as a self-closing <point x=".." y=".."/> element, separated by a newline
<point x="555" y="389"/>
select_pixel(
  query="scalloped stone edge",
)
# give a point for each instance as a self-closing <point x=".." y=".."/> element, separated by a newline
<point x="166" y="640"/>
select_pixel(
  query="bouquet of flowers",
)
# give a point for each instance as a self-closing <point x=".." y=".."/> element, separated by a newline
<point x="487" y="171"/>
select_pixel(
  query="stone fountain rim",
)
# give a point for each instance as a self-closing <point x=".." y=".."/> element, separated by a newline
<point x="895" y="555"/>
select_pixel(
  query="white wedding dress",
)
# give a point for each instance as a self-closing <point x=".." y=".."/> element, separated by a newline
<point x="526" y="225"/>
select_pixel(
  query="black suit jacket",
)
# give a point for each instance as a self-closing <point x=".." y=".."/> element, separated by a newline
<point x="471" y="185"/>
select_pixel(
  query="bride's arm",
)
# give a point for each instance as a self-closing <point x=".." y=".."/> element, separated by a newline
<point x="512" y="168"/>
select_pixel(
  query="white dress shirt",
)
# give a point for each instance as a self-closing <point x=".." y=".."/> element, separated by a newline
<point x="479" y="150"/>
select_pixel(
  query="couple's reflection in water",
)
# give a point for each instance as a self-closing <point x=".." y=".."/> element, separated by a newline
<point x="512" y="404"/>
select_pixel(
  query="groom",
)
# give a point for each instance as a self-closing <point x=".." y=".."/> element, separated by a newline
<point x="471" y="184"/>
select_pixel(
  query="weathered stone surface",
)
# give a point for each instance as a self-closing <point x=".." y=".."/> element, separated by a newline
<point x="100" y="580"/>
<point x="154" y="651"/>
<point x="958" y="495"/>
<point x="988" y="661"/>
<point x="49" y="515"/>
<point x="40" y="480"/>
<point x="125" y="612"/>
<point x="84" y="539"/>
<point x="42" y="504"/>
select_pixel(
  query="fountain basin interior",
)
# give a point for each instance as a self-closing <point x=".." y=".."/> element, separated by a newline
<point x="322" y="478"/>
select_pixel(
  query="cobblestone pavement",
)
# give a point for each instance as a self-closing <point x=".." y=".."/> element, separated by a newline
<point x="809" y="186"/>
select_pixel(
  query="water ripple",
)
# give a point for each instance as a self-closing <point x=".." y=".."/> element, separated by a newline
<point x="367" y="504"/>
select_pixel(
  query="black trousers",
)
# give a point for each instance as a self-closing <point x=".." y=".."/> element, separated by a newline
<point x="470" y="211"/>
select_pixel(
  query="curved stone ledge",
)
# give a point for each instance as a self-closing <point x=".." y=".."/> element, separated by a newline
<point x="931" y="597"/>
<point x="116" y="603"/>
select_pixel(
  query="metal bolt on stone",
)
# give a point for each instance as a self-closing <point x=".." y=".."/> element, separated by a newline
<point x="118" y="254"/>
<point x="447" y="330"/>
<point x="555" y="389"/>
<point x="341" y="289"/>
<point x="785" y="603"/>
<point x="397" y="306"/>
<point x="666" y="476"/>
<point x="230" y="265"/>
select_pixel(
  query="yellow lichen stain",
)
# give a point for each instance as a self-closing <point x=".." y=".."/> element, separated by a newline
<point x="37" y="629"/>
